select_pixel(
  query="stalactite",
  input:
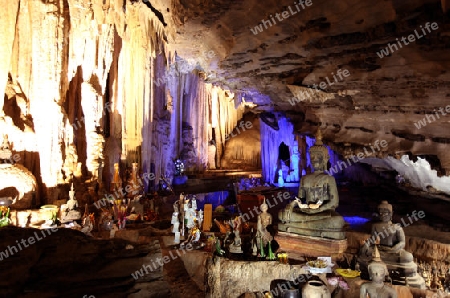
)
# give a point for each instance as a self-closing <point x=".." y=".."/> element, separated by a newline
<point x="142" y="39"/>
<point x="85" y="61"/>
<point x="224" y="117"/>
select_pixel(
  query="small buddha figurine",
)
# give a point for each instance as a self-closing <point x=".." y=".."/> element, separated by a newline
<point x="377" y="288"/>
<point x="69" y="210"/>
<point x="236" y="226"/>
<point x="175" y="221"/>
<point x="316" y="216"/>
<point x="72" y="204"/>
<point x="194" y="236"/>
<point x="189" y="215"/>
<point x="264" y="219"/>
<point x="5" y="143"/>
<point x="280" y="178"/>
<point x="5" y="150"/>
<point x="295" y="162"/>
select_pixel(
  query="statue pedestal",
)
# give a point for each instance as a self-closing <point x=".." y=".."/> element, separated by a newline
<point x="234" y="249"/>
<point x="298" y="246"/>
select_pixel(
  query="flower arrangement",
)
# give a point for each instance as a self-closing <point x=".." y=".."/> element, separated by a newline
<point x="120" y="213"/>
<point x="4" y="216"/>
<point x="339" y="283"/>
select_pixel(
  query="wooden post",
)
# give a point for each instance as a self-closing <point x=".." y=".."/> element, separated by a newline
<point x="207" y="219"/>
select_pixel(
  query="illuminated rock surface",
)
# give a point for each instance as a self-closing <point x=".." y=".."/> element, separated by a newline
<point x="77" y="72"/>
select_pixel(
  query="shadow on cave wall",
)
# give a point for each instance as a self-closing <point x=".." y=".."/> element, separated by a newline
<point x="72" y="107"/>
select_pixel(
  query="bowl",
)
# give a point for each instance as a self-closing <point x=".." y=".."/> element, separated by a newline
<point x="6" y="201"/>
<point x="319" y="266"/>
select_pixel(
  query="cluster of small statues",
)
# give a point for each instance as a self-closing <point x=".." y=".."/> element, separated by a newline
<point x="436" y="275"/>
<point x="259" y="243"/>
<point x="187" y="221"/>
<point x="249" y="183"/>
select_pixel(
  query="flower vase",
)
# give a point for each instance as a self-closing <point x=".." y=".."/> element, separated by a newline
<point x="270" y="254"/>
<point x="122" y="224"/>
<point x="262" y="253"/>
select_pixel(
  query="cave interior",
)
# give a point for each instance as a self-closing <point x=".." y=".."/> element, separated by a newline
<point x="124" y="106"/>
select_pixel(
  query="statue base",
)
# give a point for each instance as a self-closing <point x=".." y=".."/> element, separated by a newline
<point x="401" y="274"/>
<point x="304" y="229"/>
<point x="298" y="247"/>
<point x="70" y="216"/>
<point x="406" y="275"/>
<point x="235" y="249"/>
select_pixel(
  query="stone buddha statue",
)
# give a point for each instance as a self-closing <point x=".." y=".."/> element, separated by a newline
<point x="377" y="288"/>
<point x="5" y="150"/>
<point x="236" y="225"/>
<point x="316" y="216"/>
<point x="391" y="240"/>
<point x="70" y="212"/>
<point x="264" y="219"/>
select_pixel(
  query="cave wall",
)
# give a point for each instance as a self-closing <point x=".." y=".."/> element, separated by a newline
<point x="91" y="83"/>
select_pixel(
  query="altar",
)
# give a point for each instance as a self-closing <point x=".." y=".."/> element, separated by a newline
<point x="300" y="247"/>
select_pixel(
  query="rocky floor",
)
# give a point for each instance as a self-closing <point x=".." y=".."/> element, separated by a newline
<point x="175" y="274"/>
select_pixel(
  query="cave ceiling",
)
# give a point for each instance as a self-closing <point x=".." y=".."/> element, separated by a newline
<point x="380" y="98"/>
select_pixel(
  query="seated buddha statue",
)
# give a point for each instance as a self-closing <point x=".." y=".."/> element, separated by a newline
<point x="69" y="210"/>
<point x="391" y="243"/>
<point x="377" y="288"/>
<point x="316" y="216"/>
<point x="5" y="151"/>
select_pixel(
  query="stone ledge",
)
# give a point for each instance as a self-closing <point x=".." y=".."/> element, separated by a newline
<point x="227" y="278"/>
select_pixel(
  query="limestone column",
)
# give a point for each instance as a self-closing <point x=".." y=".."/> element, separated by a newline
<point x="7" y="23"/>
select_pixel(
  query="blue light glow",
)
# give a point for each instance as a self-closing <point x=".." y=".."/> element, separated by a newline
<point x="355" y="220"/>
